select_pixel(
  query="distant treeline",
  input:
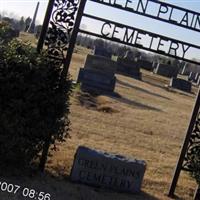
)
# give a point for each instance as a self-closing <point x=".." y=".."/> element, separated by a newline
<point x="21" y="24"/>
<point x="120" y="50"/>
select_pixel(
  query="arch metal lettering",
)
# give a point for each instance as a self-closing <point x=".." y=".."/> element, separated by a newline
<point x="161" y="11"/>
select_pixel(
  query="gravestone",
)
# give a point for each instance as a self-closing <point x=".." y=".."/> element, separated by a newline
<point x="101" y="64"/>
<point x="92" y="80"/>
<point x="106" y="170"/>
<point x="98" y="74"/>
<point x="102" y="51"/>
<point x="181" y="84"/>
<point x="145" y="64"/>
<point x="193" y="77"/>
<point x="166" y="70"/>
<point x="128" y="66"/>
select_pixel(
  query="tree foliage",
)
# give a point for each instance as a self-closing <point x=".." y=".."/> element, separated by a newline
<point x="7" y="33"/>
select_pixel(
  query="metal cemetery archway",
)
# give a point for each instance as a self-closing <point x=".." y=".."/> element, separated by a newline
<point x="64" y="26"/>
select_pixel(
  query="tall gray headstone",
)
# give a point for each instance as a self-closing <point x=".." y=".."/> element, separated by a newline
<point x="31" y="28"/>
<point x="98" y="74"/>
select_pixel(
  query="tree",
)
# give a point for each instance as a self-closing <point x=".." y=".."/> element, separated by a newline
<point x="38" y="29"/>
<point x="22" y="24"/>
<point x="33" y="106"/>
<point x="99" y="43"/>
<point x="27" y="23"/>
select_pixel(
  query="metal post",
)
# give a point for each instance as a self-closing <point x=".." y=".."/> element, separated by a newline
<point x="45" y="25"/>
<point x="185" y="145"/>
<point x="75" y="31"/>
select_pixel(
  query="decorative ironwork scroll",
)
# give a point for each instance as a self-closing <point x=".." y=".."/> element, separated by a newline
<point x="193" y="146"/>
<point x="60" y="28"/>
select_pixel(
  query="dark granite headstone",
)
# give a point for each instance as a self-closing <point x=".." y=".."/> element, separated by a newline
<point x="102" y="51"/>
<point x="99" y="51"/>
<point x="145" y="64"/>
<point x="100" y="63"/>
<point x="106" y="170"/>
<point x="92" y="80"/>
<point x="166" y="70"/>
<point x="181" y="84"/>
<point x="128" y="68"/>
<point x="98" y="74"/>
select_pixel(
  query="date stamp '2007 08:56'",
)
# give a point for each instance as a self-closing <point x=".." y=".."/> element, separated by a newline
<point x="24" y="191"/>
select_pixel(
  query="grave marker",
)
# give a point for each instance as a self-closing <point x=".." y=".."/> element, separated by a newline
<point x="181" y="84"/>
<point x="106" y="170"/>
<point x="98" y="74"/>
<point x="102" y="51"/>
<point x="100" y="63"/>
<point x="166" y="70"/>
<point x="145" y="64"/>
<point x="128" y="66"/>
<point x="92" y="80"/>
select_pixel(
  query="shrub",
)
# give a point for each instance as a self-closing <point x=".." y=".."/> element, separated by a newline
<point x="34" y="107"/>
<point x="7" y="33"/>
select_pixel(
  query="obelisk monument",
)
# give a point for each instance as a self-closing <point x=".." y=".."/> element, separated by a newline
<point x="32" y="25"/>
